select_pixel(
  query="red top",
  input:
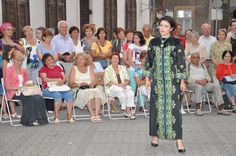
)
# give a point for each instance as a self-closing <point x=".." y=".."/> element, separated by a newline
<point x="183" y="40"/>
<point x="225" y="70"/>
<point x="55" y="72"/>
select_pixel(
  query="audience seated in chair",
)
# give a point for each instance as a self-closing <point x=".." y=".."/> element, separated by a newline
<point x="82" y="81"/>
<point x="33" y="107"/>
<point x="53" y="73"/>
<point x="227" y="70"/>
<point x="116" y="81"/>
<point x="199" y="80"/>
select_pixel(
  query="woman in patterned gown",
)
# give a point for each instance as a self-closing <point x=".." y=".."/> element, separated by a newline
<point x="165" y="72"/>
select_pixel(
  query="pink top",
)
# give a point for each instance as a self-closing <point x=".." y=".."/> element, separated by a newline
<point x="55" y="72"/>
<point x="11" y="80"/>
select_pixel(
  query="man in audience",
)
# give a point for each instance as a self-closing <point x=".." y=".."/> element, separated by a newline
<point x="64" y="45"/>
<point x="206" y="39"/>
<point x="147" y="33"/>
<point x="199" y="80"/>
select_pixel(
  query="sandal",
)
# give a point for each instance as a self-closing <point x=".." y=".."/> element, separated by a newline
<point x="234" y="109"/>
<point x="93" y="119"/>
<point x="71" y="120"/>
<point x="5" y="116"/>
<point x="15" y="115"/>
<point x="98" y="118"/>
<point x="56" y="121"/>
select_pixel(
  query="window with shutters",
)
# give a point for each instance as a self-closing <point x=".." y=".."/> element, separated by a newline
<point x="130" y="14"/>
<point x="55" y="11"/>
<point x="84" y="15"/>
<point x="110" y="17"/>
<point x="16" y="12"/>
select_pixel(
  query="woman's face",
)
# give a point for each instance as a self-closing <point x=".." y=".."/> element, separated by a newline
<point x="121" y="35"/>
<point x="39" y="34"/>
<point x="130" y="37"/>
<point x="136" y="40"/>
<point x="49" y="62"/>
<point x="28" y="33"/>
<point x="18" y="60"/>
<point x="115" y="60"/>
<point x="80" y="61"/>
<point x="221" y="36"/>
<point x="89" y="32"/>
<point x="75" y="34"/>
<point x="165" y="28"/>
<point x="194" y="39"/>
<point x="102" y="35"/>
<point x="8" y="31"/>
<point x="227" y="58"/>
<point x="47" y="39"/>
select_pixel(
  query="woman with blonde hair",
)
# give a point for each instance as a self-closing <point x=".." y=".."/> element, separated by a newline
<point x="82" y="82"/>
<point x="217" y="49"/>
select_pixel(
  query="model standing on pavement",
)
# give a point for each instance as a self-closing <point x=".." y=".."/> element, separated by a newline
<point x="165" y="66"/>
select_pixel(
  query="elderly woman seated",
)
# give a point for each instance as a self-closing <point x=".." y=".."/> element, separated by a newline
<point x="226" y="72"/>
<point x="82" y="81"/>
<point x="52" y="73"/>
<point x="116" y="80"/>
<point x="34" y="111"/>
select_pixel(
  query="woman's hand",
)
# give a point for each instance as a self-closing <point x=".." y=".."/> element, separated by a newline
<point x="147" y="83"/>
<point x="59" y="82"/>
<point x="182" y="86"/>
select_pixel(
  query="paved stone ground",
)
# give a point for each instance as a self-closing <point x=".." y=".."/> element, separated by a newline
<point x="208" y="135"/>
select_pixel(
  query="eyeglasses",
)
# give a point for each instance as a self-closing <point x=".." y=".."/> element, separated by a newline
<point x="195" y="57"/>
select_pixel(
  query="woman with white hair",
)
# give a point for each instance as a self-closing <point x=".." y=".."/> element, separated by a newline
<point x="194" y="47"/>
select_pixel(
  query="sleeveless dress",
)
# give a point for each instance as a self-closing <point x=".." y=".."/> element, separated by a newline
<point x="82" y="96"/>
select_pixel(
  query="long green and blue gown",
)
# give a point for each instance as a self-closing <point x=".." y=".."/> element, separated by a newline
<point x="166" y="67"/>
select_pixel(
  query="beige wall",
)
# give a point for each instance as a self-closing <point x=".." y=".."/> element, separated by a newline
<point x="37" y="13"/>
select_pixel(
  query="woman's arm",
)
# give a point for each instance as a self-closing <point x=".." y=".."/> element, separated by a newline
<point x="39" y="53"/>
<point x="71" y="79"/>
<point x="92" y="75"/>
<point x="139" y="82"/>
<point x="44" y="77"/>
<point x="130" y="58"/>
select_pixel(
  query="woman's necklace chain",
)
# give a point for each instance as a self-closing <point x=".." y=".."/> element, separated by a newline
<point x="163" y="41"/>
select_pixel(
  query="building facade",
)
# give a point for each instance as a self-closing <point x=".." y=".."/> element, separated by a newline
<point x="103" y="13"/>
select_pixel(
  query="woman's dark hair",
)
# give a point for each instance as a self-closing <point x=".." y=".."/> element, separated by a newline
<point x="115" y="53"/>
<point x="45" y="56"/>
<point x="41" y="29"/>
<point x="140" y="35"/>
<point x="170" y="20"/>
<point x="143" y="55"/>
<point x="73" y="28"/>
<point x="127" y="31"/>
<point x="99" y="30"/>
<point x="225" y="52"/>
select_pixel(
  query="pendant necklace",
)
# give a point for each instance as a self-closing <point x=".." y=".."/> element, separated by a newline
<point x="163" y="41"/>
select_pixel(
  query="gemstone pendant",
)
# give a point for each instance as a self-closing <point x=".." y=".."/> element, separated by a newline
<point x="162" y="45"/>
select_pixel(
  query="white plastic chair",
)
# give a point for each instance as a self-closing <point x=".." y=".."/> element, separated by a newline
<point x="4" y="99"/>
<point x="139" y="96"/>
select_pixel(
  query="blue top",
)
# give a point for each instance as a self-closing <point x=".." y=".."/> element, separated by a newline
<point x="63" y="44"/>
<point x="43" y="51"/>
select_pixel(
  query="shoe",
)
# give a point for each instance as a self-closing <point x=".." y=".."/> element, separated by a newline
<point x="234" y="109"/>
<point x="127" y="115"/>
<point x="132" y="117"/>
<point x="56" y="121"/>
<point x="15" y="115"/>
<point x="115" y="111"/>
<point x="5" y="116"/>
<point x="71" y="120"/>
<point x="35" y="123"/>
<point x="93" y="119"/>
<point x="154" y="144"/>
<point x="199" y="112"/>
<point x="180" y="150"/>
<point x="182" y="111"/>
<point x="98" y="118"/>
<point x="141" y="109"/>
<point x="223" y="112"/>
